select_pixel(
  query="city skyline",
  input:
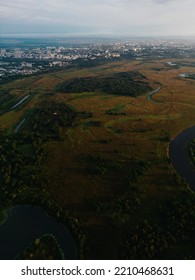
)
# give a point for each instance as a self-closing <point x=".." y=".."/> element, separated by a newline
<point x="98" y="18"/>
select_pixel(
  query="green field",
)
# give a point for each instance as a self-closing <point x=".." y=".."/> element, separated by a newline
<point x="93" y="151"/>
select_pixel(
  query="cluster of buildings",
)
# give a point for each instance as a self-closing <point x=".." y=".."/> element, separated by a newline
<point x="26" y="61"/>
<point x="31" y="60"/>
<point x="58" y="53"/>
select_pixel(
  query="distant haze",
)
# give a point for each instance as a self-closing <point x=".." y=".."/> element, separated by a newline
<point x="98" y="17"/>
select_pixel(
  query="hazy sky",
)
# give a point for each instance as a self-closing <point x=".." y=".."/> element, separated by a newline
<point x="98" y="17"/>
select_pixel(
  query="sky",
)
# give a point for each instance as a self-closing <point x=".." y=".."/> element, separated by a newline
<point x="98" y="17"/>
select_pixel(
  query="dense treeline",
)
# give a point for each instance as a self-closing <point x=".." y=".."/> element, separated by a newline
<point x="121" y="84"/>
<point x="191" y="151"/>
<point x="43" y="248"/>
<point x="20" y="161"/>
<point x="47" y="120"/>
<point x="22" y="154"/>
<point x="22" y="157"/>
<point x="7" y="100"/>
<point x="165" y="240"/>
<point x="22" y="180"/>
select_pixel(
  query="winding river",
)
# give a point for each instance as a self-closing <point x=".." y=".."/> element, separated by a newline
<point x="178" y="155"/>
<point x="150" y="94"/>
<point x="26" y="223"/>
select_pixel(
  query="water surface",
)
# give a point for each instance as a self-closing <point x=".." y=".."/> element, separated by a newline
<point x="26" y="223"/>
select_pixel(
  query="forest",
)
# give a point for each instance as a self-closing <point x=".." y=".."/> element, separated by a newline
<point x="127" y="84"/>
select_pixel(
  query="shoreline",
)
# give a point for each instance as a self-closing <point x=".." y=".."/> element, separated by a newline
<point x="178" y="155"/>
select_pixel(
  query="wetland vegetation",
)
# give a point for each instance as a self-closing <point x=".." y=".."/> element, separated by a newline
<point x="92" y="153"/>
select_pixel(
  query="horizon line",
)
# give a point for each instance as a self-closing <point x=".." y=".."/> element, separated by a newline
<point x="91" y="35"/>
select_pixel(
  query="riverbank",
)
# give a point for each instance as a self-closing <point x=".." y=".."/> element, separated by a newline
<point x="2" y="217"/>
<point x="178" y="154"/>
<point x="150" y="94"/>
<point x="45" y="247"/>
<point x="34" y="222"/>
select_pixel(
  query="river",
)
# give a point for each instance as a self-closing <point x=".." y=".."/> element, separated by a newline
<point x="26" y="223"/>
<point x="178" y="155"/>
<point x="178" y="151"/>
<point x="20" y="102"/>
<point x="150" y="94"/>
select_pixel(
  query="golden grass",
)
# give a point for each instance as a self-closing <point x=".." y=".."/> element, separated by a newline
<point x="172" y="115"/>
<point x="11" y="118"/>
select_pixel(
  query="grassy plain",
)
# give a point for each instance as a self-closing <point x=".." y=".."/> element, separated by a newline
<point x="108" y="160"/>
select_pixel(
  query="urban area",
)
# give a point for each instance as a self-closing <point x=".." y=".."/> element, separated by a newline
<point x="24" y="60"/>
